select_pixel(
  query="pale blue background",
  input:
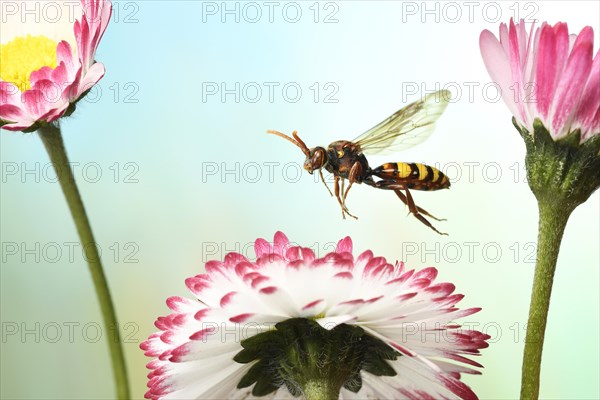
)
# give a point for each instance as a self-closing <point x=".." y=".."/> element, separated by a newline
<point x="175" y="220"/>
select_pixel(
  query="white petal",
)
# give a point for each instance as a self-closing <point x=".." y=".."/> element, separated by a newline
<point x="53" y="19"/>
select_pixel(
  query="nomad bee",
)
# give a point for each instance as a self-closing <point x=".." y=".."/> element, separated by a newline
<point x="405" y="128"/>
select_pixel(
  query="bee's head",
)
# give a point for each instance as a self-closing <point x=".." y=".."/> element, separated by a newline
<point x="315" y="159"/>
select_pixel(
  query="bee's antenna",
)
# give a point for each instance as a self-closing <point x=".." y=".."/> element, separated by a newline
<point x="296" y="140"/>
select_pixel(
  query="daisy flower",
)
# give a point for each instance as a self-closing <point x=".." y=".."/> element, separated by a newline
<point x="291" y="324"/>
<point x="548" y="75"/>
<point x="45" y="69"/>
<point x="550" y="81"/>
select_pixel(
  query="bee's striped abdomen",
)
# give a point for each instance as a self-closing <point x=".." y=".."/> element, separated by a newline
<point x="413" y="175"/>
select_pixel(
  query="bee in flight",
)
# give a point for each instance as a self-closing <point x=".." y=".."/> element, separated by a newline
<point x="407" y="127"/>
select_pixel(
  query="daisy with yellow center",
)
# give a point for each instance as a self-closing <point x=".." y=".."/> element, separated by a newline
<point x="42" y="77"/>
<point x="43" y="73"/>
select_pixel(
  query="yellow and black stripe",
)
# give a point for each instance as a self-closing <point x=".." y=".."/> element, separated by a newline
<point x="414" y="175"/>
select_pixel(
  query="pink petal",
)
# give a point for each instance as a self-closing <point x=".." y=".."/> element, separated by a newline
<point x="97" y="17"/>
<point x="71" y="92"/>
<point x="523" y="40"/>
<point x="534" y="40"/>
<point x="589" y="105"/>
<point x="504" y="41"/>
<point x="12" y="108"/>
<point x="594" y="129"/>
<point x="59" y="75"/>
<point x="82" y="36"/>
<point x="44" y="100"/>
<point x="573" y="80"/>
<point x="10" y="112"/>
<point x="51" y="94"/>
<point x="551" y="56"/>
<point x="53" y="114"/>
<point x="34" y="103"/>
<point x="262" y="247"/>
<point x="280" y="243"/>
<point x="18" y="126"/>
<point x="43" y="73"/>
<point x="9" y="93"/>
<point x="517" y="70"/>
<point x="64" y="54"/>
<point x="529" y="75"/>
<point x="545" y="70"/>
<point x="93" y="75"/>
<point x="90" y="29"/>
<point x="68" y="71"/>
<point x="498" y="66"/>
<point x="344" y="245"/>
<point x="563" y="48"/>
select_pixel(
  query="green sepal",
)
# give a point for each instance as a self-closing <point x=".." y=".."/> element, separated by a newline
<point x="379" y="367"/>
<point x="354" y="383"/>
<point x="71" y="109"/>
<point x="246" y="355"/>
<point x="251" y="376"/>
<point x="293" y="388"/>
<point x="563" y="171"/>
<point x="34" y="127"/>
<point x="299" y="352"/>
<point x="264" y="386"/>
<point x="255" y="345"/>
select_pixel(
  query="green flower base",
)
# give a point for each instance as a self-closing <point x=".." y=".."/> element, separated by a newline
<point x="562" y="170"/>
<point x="312" y="361"/>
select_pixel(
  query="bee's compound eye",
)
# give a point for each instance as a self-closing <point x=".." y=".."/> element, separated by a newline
<point x="340" y="153"/>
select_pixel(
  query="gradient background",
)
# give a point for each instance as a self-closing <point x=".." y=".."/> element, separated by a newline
<point x="167" y="215"/>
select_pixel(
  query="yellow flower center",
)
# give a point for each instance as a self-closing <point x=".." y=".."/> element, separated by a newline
<point x="24" y="55"/>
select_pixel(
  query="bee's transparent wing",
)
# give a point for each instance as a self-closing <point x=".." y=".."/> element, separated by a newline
<point x="407" y="127"/>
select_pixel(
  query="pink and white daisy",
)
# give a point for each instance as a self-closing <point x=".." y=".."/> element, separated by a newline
<point x="549" y="75"/>
<point x="550" y="81"/>
<point x="45" y="69"/>
<point x="237" y="300"/>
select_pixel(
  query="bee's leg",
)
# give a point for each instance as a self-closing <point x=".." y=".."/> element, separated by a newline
<point x="336" y="187"/>
<point x="344" y="201"/>
<point x="408" y="200"/>
<point x="421" y="211"/>
<point x="355" y="171"/>
<point x="396" y="187"/>
<point x="323" y="180"/>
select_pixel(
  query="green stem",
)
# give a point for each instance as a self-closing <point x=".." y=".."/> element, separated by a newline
<point x="553" y="219"/>
<point x="52" y="139"/>
<point x="321" y="389"/>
